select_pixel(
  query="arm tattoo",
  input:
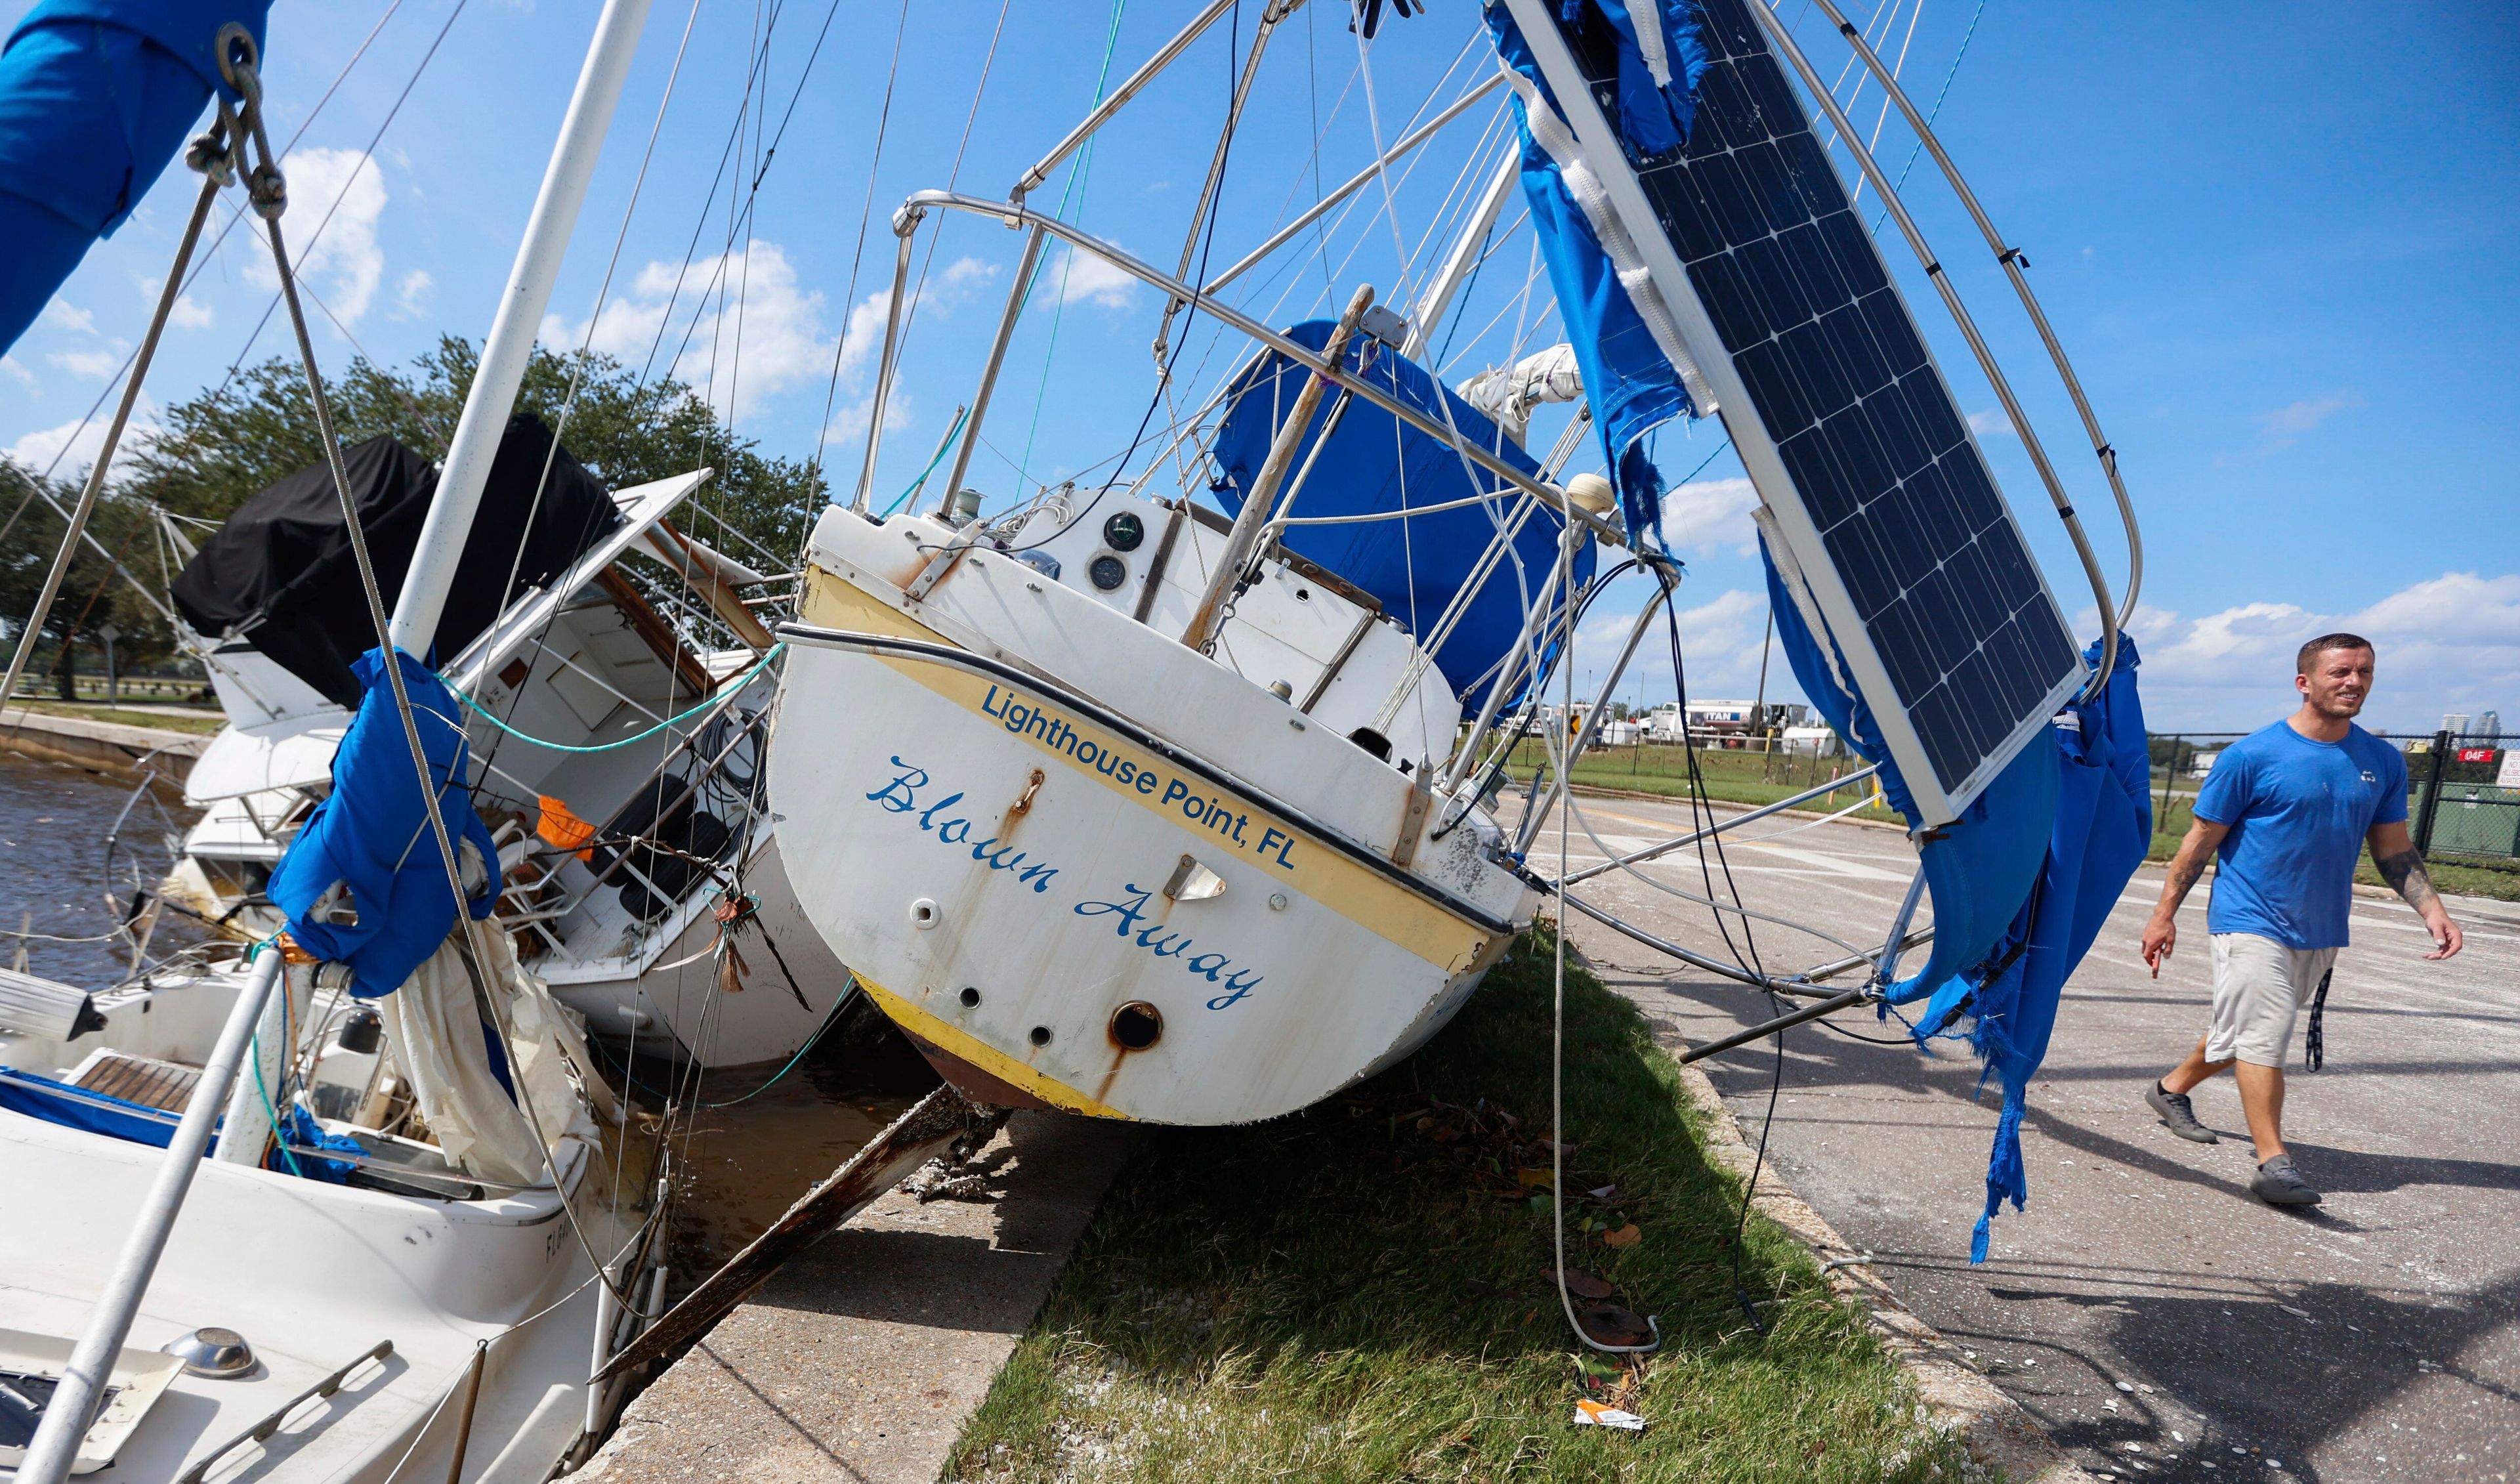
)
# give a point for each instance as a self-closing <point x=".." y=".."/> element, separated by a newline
<point x="2185" y="870"/>
<point x="2404" y="873"/>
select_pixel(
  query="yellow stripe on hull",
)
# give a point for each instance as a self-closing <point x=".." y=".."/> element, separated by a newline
<point x="982" y="1055"/>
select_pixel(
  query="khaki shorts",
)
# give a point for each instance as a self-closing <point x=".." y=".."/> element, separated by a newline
<point x="2259" y="987"/>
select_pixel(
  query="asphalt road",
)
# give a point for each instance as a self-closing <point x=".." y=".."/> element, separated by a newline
<point x="2156" y="1318"/>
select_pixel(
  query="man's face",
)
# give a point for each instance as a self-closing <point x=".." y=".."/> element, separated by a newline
<point x="2337" y="684"/>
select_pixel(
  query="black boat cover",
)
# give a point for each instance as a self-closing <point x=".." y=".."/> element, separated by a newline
<point x="279" y="575"/>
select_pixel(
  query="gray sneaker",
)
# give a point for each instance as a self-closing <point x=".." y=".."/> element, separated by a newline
<point x="2179" y="1113"/>
<point x="2279" y="1183"/>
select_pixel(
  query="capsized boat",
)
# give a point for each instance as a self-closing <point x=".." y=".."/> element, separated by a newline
<point x="1082" y="790"/>
<point x="1119" y="805"/>
<point x="616" y="857"/>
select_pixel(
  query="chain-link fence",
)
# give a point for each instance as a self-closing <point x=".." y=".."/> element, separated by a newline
<point x="2463" y="790"/>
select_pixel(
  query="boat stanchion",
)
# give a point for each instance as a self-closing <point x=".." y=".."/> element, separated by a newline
<point x="464" y="1420"/>
<point x="1786" y="1021"/>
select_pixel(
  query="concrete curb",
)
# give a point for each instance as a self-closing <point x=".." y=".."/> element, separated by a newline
<point x="104" y="745"/>
<point x="2000" y="1435"/>
<point x="859" y="1361"/>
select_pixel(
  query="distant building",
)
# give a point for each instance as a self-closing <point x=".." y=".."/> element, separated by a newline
<point x="2201" y="764"/>
<point x="2456" y="723"/>
<point x="2488" y="726"/>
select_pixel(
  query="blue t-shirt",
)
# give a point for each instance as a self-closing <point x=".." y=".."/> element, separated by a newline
<point x="2298" y="811"/>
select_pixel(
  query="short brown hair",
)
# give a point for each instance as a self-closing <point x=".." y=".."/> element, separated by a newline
<point x="2311" y="651"/>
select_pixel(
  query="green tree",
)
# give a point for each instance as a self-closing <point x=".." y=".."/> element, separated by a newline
<point x="91" y="596"/>
<point x="219" y="448"/>
<point x="216" y="450"/>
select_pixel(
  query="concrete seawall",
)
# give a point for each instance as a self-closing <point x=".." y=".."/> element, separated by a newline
<point x="102" y="745"/>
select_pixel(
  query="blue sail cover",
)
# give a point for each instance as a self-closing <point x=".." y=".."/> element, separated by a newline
<point x="1980" y="866"/>
<point x="96" y="96"/>
<point x="1375" y="464"/>
<point x="371" y="836"/>
<point x="2021" y="882"/>
<point x="2007" y="1005"/>
<point x="1629" y="379"/>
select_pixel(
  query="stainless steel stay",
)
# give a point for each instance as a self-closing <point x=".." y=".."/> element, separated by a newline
<point x="1534" y="815"/>
<point x="1031" y="179"/>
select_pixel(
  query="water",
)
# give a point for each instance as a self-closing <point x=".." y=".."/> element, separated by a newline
<point x="752" y="1146"/>
<point x="746" y="1153"/>
<point x="62" y="879"/>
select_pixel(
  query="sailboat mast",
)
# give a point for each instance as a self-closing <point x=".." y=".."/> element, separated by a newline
<point x="512" y="331"/>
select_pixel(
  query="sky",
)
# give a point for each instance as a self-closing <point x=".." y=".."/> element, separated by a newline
<point x="2276" y="241"/>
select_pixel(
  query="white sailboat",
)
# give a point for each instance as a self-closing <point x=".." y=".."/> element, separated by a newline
<point x="575" y="666"/>
<point x="410" y="1246"/>
<point x="1119" y="805"/>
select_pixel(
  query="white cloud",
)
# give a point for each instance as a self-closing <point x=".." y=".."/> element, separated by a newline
<point x="87" y="363"/>
<point x="76" y="446"/>
<point x="411" y="298"/>
<point x="12" y="365"/>
<point x="863" y="337"/>
<point x="1709" y="514"/>
<point x="187" y="312"/>
<point x="1720" y="643"/>
<point x="2286" y="423"/>
<point x="756" y="334"/>
<point x="1080" y="278"/>
<point x="2448" y="643"/>
<point x="849" y="423"/>
<point x="1992" y="424"/>
<point x="61" y="314"/>
<point x="346" y="263"/>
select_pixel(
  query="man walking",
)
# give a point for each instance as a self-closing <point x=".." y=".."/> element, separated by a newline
<point x="2288" y="809"/>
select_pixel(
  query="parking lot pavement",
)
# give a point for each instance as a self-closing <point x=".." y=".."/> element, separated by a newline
<point x="2155" y="1316"/>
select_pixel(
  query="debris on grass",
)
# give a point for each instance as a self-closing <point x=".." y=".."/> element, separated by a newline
<point x="1590" y="1413"/>
<point x="1367" y="1292"/>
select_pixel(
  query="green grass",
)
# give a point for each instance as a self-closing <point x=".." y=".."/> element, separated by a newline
<point x="1350" y="1294"/>
<point x="208" y="720"/>
<point x="2452" y="878"/>
<point x="1734" y="777"/>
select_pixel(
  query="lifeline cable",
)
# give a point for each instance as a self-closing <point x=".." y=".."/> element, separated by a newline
<point x="1777" y="1079"/>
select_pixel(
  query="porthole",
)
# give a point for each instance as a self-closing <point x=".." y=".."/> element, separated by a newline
<point x="1041" y="1035"/>
<point x="1124" y="531"/>
<point x="970" y="998"/>
<point x="1108" y="571"/>
<point x="1137" y="1025"/>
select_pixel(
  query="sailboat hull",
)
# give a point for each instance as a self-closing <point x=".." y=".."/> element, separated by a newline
<point x="1064" y="905"/>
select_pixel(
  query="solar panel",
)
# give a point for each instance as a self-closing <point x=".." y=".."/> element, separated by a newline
<point x="1837" y="409"/>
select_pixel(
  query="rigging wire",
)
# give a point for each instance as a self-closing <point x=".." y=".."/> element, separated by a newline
<point x="1080" y="172"/>
<point x="857" y="255"/>
<point x="368" y="162"/>
<point x="219" y="241"/>
<point x="1936" y="111"/>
